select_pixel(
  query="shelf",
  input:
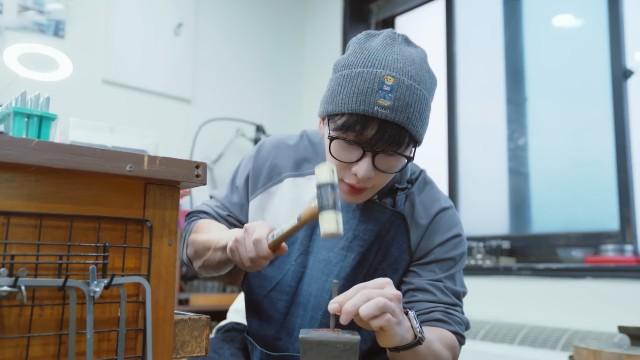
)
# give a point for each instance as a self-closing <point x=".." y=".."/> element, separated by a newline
<point x="21" y="151"/>
<point x="558" y="270"/>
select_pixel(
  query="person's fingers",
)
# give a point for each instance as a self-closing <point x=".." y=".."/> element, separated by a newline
<point x="259" y="240"/>
<point x="282" y="249"/>
<point x="378" y="306"/>
<point x="352" y="306"/>
<point x="379" y="283"/>
<point x="232" y="252"/>
<point x="382" y="322"/>
<point x="249" y="250"/>
<point x="361" y="323"/>
<point x="235" y="251"/>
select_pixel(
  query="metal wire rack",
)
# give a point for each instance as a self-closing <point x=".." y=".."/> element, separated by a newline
<point x="45" y="259"/>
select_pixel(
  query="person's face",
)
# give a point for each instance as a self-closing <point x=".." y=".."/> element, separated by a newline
<point x="358" y="181"/>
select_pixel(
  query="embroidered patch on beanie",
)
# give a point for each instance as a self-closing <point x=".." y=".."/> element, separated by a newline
<point x="386" y="90"/>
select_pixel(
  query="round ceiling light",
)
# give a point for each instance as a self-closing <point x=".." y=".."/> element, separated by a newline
<point x="12" y="55"/>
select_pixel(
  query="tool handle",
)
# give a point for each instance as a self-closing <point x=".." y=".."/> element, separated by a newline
<point x="276" y="238"/>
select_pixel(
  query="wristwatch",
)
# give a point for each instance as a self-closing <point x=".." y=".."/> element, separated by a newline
<point x="417" y="331"/>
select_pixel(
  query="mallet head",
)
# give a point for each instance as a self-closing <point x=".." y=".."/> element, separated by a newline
<point x="328" y="197"/>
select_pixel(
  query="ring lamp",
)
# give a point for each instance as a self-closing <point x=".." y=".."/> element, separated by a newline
<point x="12" y="55"/>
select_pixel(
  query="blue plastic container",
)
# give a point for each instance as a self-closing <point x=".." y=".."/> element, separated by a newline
<point x="26" y="122"/>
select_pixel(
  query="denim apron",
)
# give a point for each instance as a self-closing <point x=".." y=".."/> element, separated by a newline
<point x="293" y="292"/>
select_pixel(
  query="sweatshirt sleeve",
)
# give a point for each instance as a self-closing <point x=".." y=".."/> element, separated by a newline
<point x="433" y="286"/>
<point x="228" y="206"/>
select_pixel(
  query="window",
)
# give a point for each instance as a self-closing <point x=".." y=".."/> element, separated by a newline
<point x="535" y="111"/>
<point x="426" y="26"/>
<point x="631" y="20"/>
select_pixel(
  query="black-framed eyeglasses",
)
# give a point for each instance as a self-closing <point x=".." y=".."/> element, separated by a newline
<point x="349" y="151"/>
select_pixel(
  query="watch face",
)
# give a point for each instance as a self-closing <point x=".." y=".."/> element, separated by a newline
<point x="415" y="324"/>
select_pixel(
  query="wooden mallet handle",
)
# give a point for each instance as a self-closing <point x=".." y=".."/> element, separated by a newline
<point x="326" y="209"/>
<point x="277" y="237"/>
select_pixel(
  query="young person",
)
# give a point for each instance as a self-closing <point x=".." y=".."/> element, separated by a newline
<point x="400" y="260"/>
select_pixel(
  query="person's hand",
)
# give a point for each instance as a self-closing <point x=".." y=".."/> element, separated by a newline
<point x="248" y="249"/>
<point x="375" y="305"/>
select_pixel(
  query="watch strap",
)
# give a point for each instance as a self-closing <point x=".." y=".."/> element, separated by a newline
<point x="417" y="332"/>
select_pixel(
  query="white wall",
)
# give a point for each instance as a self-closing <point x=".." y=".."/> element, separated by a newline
<point x="249" y="62"/>
<point x="84" y="96"/>
<point x="426" y="26"/>
<point x="322" y="45"/>
<point x="588" y="304"/>
<point x="264" y="61"/>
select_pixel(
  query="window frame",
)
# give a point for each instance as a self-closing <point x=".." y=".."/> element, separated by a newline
<point x="360" y="15"/>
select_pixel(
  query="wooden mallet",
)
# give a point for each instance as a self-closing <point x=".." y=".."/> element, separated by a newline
<point x="326" y="208"/>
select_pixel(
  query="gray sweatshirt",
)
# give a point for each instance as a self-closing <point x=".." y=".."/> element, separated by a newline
<point x="276" y="181"/>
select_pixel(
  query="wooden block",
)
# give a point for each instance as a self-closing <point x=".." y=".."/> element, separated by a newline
<point x="591" y="352"/>
<point x="211" y="301"/>
<point x="191" y="334"/>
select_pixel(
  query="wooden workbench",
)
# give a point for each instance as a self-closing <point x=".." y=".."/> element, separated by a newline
<point x="57" y="198"/>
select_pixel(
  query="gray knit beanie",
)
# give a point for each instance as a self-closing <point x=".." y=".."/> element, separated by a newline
<point x="385" y="75"/>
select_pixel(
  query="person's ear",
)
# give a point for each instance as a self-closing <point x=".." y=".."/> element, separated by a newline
<point x="321" y="124"/>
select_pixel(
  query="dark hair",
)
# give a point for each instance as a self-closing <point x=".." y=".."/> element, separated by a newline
<point x="372" y="132"/>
